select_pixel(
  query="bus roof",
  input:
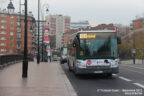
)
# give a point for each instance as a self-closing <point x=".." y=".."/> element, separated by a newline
<point x="97" y="31"/>
<point x="93" y="31"/>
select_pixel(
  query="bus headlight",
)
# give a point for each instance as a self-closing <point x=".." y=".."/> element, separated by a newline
<point x="81" y="64"/>
<point x="114" y="64"/>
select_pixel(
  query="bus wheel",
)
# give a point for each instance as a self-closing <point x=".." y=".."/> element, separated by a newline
<point x="61" y="62"/>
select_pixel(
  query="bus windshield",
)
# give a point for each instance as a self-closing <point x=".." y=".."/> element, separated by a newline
<point x="98" y="48"/>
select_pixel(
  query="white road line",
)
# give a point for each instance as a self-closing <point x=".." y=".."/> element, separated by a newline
<point x="133" y="67"/>
<point x="132" y="70"/>
<point x="138" y="84"/>
<point x="115" y="74"/>
<point x="123" y="78"/>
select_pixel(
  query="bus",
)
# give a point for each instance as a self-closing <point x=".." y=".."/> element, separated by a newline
<point x="93" y="52"/>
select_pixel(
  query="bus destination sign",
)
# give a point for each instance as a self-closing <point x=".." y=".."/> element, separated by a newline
<point x="87" y="36"/>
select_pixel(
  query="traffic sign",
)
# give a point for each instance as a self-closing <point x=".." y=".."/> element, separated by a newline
<point x="134" y="51"/>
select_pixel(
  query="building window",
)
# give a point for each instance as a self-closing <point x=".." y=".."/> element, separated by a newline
<point x="11" y="16"/>
<point x="11" y="39"/>
<point x="3" y="50"/>
<point x="11" y="33"/>
<point x="11" y="45"/>
<point x="18" y="39"/>
<point x="11" y="28"/>
<point x="2" y="33"/>
<point x="18" y="29"/>
<point x="2" y="27"/>
<point x="2" y="44"/>
<point x="2" y="38"/>
<point x="11" y="22"/>
<point x="3" y="21"/>
<point x="18" y="23"/>
<point x="19" y="35"/>
<point x="3" y="15"/>
<point x="11" y="51"/>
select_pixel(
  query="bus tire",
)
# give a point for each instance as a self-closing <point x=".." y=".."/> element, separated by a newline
<point x="61" y="62"/>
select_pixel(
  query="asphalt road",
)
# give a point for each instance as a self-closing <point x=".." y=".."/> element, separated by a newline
<point x="129" y="82"/>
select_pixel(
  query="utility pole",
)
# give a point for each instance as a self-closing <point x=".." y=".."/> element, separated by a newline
<point x="25" y="59"/>
<point x="38" y="55"/>
<point x="134" y="49"/>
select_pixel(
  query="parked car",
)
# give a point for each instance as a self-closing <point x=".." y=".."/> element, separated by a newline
<point x="55" y="58"/>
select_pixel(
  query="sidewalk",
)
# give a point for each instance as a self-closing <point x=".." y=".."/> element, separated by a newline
<point x="44" y="79"/>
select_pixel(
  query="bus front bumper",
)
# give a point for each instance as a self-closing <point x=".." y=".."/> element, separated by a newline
<point x="96" y="71"/>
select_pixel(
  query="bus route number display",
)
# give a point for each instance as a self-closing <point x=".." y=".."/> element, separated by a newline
<point x="87" y="36"/>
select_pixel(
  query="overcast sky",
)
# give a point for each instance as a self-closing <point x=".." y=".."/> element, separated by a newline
<point x="95" y="11"/>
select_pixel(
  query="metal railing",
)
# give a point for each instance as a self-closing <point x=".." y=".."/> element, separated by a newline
<point x="10" y="59"/>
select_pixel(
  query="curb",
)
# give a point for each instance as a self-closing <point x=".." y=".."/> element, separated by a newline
<point x="69" y="86"/>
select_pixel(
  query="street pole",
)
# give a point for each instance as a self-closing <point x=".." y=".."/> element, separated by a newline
<point x="38" y="55"/>
<point x="25" y="59"/>
<point x="42" y="43"/>
<point x="133" y="45"/>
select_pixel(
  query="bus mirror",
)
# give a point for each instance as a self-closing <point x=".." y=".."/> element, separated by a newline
<point x="74" y="44"/>
<point x="118" y="40"/>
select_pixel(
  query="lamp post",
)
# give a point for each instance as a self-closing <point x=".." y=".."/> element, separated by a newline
<point x="25" y="59"/>
<point x="10" y="7"/>
<point x="45" y="7"/>
<point x="38" y="55"/>
<point x="134" y="49"/>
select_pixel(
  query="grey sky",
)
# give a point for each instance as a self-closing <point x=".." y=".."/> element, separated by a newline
<point x="95" y="11"/>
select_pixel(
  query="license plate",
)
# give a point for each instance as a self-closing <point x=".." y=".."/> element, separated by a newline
<point x="98" y="71"/>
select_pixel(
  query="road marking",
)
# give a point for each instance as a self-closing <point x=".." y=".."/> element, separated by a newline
<point x="123" y="78"/>
<point x="115" y="74"/>
<point x="133" y="67"/>
<point x="138" y="84"/>
<point x="132" y="70"/>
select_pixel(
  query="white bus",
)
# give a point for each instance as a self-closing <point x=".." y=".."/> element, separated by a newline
<point x="93" y="52"/>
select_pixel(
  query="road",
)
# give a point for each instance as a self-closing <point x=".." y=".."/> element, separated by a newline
<point x="129" y="82"/>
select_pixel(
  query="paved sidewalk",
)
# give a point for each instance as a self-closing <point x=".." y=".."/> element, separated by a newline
<point x="45" y="79"/>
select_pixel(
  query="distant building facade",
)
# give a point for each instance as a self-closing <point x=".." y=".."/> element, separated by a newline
<point x="58" y="25"/>
<point x="138" y="23"/>
<point x="77" y="25"/>
<point x="12" y="33"/>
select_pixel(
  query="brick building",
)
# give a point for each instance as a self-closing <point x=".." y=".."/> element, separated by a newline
<point x="99" y="27"/>
<point x="138" y="23"/>
<point x="12" y="33"/>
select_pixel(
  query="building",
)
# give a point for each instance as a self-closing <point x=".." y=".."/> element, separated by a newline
<point x="58" y="25"/>
<point x="12" y="33"/>
<point x="77" y="25"/>
<point x="138" y="23"/>
<point x="99" y="27"/>
<point x="124" y="31"/>
<point x="138" y="28"/>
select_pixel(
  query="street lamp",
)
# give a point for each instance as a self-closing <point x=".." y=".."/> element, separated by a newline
<point x="38" y="55"/>
<point x="134" y="49"/>
<point x="45" y="7"/>
<point x="25" y="59"/>
<point x="10" y="7"/>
